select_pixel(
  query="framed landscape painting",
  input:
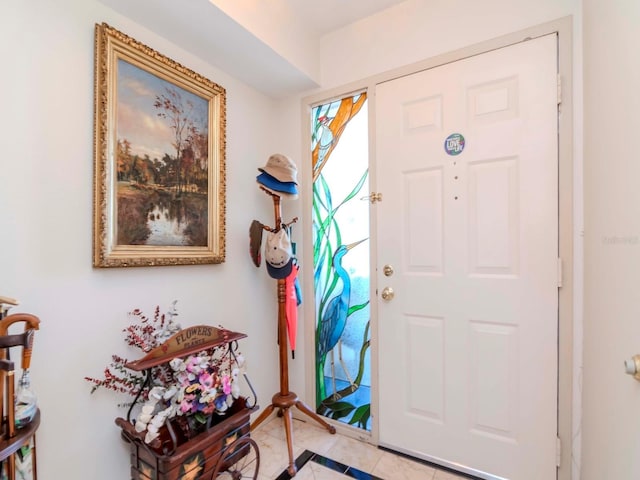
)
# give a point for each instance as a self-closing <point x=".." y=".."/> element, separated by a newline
<point x="159" y="158"/>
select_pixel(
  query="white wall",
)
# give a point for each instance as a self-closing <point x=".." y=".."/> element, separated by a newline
<point x="46" y="167"/>
<point x="611" y="425"/>
<point x="419" y="29"/>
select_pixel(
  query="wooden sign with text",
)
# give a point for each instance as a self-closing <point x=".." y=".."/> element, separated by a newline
<point x="185" y="342"/>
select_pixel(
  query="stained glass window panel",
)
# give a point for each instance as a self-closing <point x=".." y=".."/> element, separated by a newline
<point x="341" y="259"/>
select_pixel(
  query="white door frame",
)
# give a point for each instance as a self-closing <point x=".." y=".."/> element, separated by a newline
<point x="566" y="401"/>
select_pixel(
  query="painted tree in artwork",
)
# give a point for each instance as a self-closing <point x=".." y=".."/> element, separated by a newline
<point x="123" y="158"/>
<point x="186" y="134"/>
<point x="197" y="152"/>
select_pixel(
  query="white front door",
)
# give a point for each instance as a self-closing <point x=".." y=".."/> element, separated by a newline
<point x="468" y="363"/>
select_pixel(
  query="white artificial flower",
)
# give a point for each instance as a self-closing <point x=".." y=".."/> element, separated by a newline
<point x="150" y="436"/>
<point x="153" y="426"/>
<point x="172" y="410"/>
<point x="240" y="359"/>
<point x="242" y="364"/>
<point x="156" y="393"/>
<point x="140" y="426"/>
<point x="171" y="391"/>
<point x="181" y="377"/>
<point x="178" y="365"/>
<point x="144" y="418"/>
<point x="148" y="408"/>
<point x="208" y="397"/>
<point x="179" y="397"/>
<point x="204" y="361"/>
<point x="235" y="390"/>
<point x="166" y="413"/>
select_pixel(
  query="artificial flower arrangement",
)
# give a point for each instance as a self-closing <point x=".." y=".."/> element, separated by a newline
<point x="196" y="386"/>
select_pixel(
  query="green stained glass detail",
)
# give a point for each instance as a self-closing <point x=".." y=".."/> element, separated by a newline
<point x="341" y="259"/>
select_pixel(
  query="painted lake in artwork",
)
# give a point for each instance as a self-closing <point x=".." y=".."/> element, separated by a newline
<point x="161" y="161"/>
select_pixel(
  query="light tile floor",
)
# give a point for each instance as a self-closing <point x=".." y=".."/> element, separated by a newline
<point x="308" y="436"/>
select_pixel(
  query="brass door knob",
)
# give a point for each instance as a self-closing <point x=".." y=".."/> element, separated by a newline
<point x="387" y="294"/>
<point x="632" y="367"/>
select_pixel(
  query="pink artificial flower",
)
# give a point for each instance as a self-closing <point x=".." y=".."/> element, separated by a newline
<point x="206" y="381"/>
<point x="185" y="406"/>
<point x="226" y="385"/>
<point x="193" y="365"/>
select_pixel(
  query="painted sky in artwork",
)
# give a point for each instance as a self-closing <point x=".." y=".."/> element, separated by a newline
<point x="137" y="118"/>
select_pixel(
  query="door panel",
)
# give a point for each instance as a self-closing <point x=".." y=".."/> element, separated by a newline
<point x="493" y="217"/>
<point x="424" y="220"/>
<point x="468" y="362"/>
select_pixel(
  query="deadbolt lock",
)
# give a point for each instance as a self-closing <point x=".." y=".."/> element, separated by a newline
<point x="387" y="270"/>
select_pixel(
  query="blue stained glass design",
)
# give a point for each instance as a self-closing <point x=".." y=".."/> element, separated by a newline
<point x="341" y="259"/>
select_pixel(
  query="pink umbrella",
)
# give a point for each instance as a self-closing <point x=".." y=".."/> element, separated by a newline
<point x="291" y="307"/>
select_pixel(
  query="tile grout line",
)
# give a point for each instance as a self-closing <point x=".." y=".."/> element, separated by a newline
<point x="307" y="456"/>
<point x="435" y="466"/>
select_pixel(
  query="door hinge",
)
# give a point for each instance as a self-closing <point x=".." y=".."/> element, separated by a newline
<point x="558" y="452"/>
<point x="559" y="86"/>
<point x="559" y="273"/>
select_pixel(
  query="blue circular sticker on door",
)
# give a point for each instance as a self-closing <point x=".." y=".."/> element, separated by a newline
<point x="454" y="144"/>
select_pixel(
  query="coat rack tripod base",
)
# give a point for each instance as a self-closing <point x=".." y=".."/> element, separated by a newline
<point x="284" y="403"/>
<point x="284" y="399"/>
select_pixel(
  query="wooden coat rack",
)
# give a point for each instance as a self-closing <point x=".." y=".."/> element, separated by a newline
<point x="285" y="399"/>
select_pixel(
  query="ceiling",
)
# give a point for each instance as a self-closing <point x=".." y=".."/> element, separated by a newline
<point x="328" y="15"/>
<point x="222" y="40"/>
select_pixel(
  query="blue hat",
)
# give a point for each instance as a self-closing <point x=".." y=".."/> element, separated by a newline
<point x="276" y="186"/>
<point x="279" y="273"/>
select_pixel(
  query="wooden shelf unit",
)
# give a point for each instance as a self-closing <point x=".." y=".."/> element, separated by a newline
<point x="13" y="439"/>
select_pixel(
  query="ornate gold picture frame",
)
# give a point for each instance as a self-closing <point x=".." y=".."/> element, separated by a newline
<point x="159" y="158"/>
